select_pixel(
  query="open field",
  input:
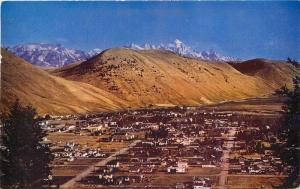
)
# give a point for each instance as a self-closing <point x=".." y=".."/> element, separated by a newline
<point x="256" y="106"/>
<point x="166" y="179"/>
<point x="85" y="140"/>
<point x="67" y="170"/>
<point x="244" y="182"/>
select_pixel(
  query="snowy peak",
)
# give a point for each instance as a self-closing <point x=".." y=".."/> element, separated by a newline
<point x="179" y="47"/>
<point x="94" y="52"/>
<point x="51" y="55"/>
<point x="56" y="55"/>
<point x="182" y="49"/>
<point x="178" y="42"/>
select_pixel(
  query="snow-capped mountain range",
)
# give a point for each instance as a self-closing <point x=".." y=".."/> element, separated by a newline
<point x="51" y="55"/>
<point x="182" y="49"/>
<point x="55" y="55"/>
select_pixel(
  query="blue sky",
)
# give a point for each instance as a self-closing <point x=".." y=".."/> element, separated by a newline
<point x="241" y="29"/>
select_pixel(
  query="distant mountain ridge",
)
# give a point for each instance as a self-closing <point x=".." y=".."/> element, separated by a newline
<point x="56" y="55"/>
<point x="182" y="49"/>
<point x="51" y="55"/>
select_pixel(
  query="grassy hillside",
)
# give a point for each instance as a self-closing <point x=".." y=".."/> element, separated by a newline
<point x="49" y="94"/>
<point x="275" y="73"/>
<point x="121" y="78"/>
<point x="162" y="77"/>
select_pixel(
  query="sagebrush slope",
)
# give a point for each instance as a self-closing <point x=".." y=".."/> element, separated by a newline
<point x="161" y="77"/>
<point x="49" y="94"/>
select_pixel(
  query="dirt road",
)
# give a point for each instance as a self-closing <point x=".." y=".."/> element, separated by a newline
<point x="225" y="159"/>
<point x="71" y="183"/>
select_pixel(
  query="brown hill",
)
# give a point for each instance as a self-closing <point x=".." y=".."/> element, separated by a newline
<point x="275" y="73"/>
<point x="49" y="94"/>
<point x="164" y="78"/>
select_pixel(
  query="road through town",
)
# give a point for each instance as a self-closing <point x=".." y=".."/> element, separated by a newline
<point x="71" y="183"/>
<point x="225" y="159"/>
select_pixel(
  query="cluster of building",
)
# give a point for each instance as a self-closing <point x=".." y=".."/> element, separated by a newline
<point x="71" y="151"/>
<point x="259" y="165"/>
<point x="172" y="141"/>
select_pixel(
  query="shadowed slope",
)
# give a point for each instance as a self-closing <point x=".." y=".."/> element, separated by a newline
<point x="276" y="73"/>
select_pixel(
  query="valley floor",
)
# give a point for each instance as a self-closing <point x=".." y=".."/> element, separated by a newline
<point x="179" y="147"/>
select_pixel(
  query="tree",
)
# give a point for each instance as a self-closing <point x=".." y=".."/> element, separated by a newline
<point x="293" y="62"/>
<point x="259" y="147"/>
<point x="283" y="91"/>
<point x="24" y="159"/>
<point x="290" y="133"/>
<point x="162" y="132"/>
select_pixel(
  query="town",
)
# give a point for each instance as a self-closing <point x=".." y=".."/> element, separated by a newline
<point x="177" y="147"/>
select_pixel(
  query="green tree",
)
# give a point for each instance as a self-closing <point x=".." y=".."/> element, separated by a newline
<point x="293" y="62"/>
<point x="283" y="91"/>
<point x="290" y="133"/>
<point x="24" y="158"/>
<point x="162" y="132"/>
